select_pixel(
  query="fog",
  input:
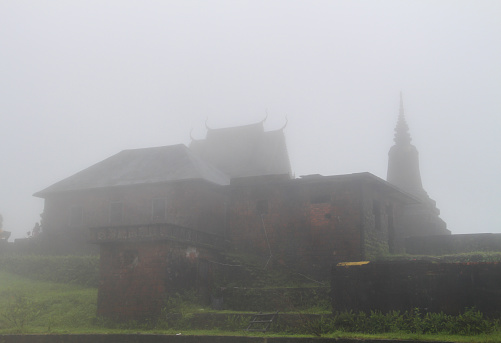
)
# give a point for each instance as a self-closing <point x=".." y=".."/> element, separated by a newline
<point x="83" y="80"/>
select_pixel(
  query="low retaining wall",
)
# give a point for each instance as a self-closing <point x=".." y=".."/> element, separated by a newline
<point x="271" y="299"/>
<point x="432" y="287"/>
<point x="240" y="321"/>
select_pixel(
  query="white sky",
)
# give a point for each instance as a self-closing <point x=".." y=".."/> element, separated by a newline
<point x="83" y="80"/>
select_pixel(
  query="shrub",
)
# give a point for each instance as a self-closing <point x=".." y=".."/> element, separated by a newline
<point x="471" y="322"/>
<point x="20" y="310"/>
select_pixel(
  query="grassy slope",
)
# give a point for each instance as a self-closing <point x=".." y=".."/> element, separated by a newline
<point x="52" y="305"/>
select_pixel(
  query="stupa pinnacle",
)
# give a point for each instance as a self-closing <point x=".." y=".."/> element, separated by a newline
<point x="403" y="159"/>
<point x="402" y="136"/>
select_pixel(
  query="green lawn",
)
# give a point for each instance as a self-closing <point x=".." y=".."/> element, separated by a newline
<point x="36" y="306"/>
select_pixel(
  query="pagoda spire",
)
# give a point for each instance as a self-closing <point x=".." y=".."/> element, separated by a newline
<point x="402" y="136"/>
<point x="401" y="104"/>
<point x="403" y="159"/>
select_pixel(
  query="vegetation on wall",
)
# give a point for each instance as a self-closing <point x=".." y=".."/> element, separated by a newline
<point x="375" y="249"/>
<point x="252" y="283"/>
<point x="251" y="271"/>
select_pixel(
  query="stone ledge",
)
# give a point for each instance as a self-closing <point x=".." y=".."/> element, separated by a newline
<point x="154" y="232"/>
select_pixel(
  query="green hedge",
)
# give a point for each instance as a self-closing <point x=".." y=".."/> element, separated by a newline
<point x="471" y="322"/>
<point x="475" y="257"/>
<point x="80" y="270"/>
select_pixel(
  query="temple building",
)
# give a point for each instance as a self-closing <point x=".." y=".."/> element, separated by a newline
<point x="163" y="216"/>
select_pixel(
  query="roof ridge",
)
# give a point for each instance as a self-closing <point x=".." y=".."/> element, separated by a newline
<point x="140" y="166"/>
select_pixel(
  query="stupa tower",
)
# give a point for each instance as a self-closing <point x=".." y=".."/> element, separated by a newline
<point x="403" y="159"/>
<point x="421" y="218"/>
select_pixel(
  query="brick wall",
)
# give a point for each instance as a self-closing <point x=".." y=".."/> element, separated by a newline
<point x="137" y="277"/>
<point x="309" y="225"/>
<point x="312" y="224"/>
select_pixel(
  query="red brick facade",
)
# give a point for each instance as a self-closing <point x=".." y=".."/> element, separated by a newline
<point x="311" y="223"/>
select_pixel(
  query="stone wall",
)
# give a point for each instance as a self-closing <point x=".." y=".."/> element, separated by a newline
<point x="402" y="286"/>
<point x="273" y="299"/>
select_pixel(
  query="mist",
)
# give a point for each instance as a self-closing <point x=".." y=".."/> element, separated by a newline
<point x="83" y="80"/>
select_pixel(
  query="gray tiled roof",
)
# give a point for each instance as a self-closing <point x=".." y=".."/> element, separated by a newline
<point x="141" y="166"/>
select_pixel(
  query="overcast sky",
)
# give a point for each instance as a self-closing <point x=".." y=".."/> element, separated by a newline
<point x="83" y="80"/>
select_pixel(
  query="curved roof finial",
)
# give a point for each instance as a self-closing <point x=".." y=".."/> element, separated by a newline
<point x="207" y="126"/>
<point x="191" y="136"/>
<point x="266" y="117"/>
<point x="286" y="122"/>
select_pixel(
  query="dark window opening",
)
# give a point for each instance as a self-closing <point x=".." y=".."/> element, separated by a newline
<point x="158" y="210"/>
<point x="116" y="212"/>
<point x="262" y="207"/>
<point x="321" y="199"/>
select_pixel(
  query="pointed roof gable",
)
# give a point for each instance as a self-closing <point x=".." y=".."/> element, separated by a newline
<point x="245" y="151"/>
<point x="141" y="166"/>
